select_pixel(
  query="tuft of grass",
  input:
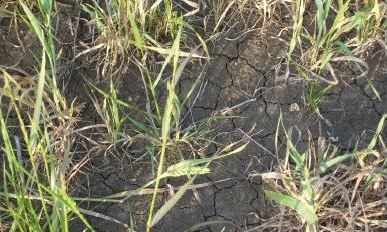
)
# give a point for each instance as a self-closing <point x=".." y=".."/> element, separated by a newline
<point x="323" y="188"/>
<point x="124" y="31"/>
<point x="342" y="31"/>
<point x="315" y="96"/>
<point x="38" y="153"/>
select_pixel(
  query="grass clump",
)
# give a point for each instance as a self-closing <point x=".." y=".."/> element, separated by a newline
<point x="122" y="31"/>
<point x="162" y="127"/>
<point x="36" y="138"/>
<point x="330" y="34"/>
<point x="325" y="189"/>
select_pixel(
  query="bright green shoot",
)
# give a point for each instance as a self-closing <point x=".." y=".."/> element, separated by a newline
<point x="315" y="96"/>
<point x="132" y="29"/>
<point x="332" y="41"/>
<point x="303" y="176"/>
<point x="34" y="189"/>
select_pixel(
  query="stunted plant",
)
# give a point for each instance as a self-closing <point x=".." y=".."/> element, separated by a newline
<point x="342" y="31"/>
<point x="122" y="30"/>
<point x="115" y="112"/>
<point x="324" y="189"/>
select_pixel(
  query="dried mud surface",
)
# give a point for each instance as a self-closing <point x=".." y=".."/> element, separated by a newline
<point x="240" y="81"/>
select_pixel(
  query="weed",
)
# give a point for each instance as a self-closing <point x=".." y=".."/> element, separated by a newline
<point x="162" y="141"/>
<point x="315" y="96"/>
<point x="35" y="191"/>
<point x="126" y="30"/>
<point x="325" y="186"/>
<point x="342" y="31"/>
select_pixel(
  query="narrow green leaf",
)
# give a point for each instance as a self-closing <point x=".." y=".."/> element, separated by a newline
<point x="376" y="92"/>
<point x="379" y="129"/>
<point x="234" y="151"/>
<point x="140" y="126"/>
<point x="303" y="209"/>
<point x="45" y="6"/>
<point x="188" y="171"/>
<point x="208" y="223"/>
<point x="38" y="104"/>
<point x="166" y="62"/>
<point x="294" y="154"/>
<point x="330" y="163"/>
<point x="138" y="42"/>
<point x="171" y="202"/>
<point x="5" y="11"/>
<point x="34" y="24"/>
<point x="320" y="16"/>
<point x="189" y="163"/>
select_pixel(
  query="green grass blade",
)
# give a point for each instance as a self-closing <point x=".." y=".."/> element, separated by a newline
<point x="141" y="126"/>
<point x="171" y="202"/>
<point x="165" y="132"/>
<point x="332" y="162"/>
<point x="138" y="42"/>
<point x="189" y="167"/>
<point x="379" y="129"/>
<point x="172" y="53"/>
<point x="33" y="23"/>
<point x="297" y="26"/>
<point x="303" y="209"/>
<point x="45" y="6"/>
<point x="38" y="104"/>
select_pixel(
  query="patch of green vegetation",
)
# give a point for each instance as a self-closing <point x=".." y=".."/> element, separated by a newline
<point x="39" y="124"/>
<point x="35" y="192"/>
<point x="320" y="182"/>
<point x="135" y="30"/>
<point x="315" y="96"/>
<point x="341" y="32"/>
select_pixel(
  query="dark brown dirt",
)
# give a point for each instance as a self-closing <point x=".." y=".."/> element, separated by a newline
<point x="241" y="81"/>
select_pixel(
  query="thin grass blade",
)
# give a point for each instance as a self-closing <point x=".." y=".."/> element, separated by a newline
<point x="303" y="209"/>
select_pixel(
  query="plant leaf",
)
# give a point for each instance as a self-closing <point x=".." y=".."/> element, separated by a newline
<point x="188" y="171"/>
<point x="379" y="129"/>
<point x="171" y="202"/>
<point x="189" y="167"/>
<point x="330" y="163"/>
<point x="303" y="209"/>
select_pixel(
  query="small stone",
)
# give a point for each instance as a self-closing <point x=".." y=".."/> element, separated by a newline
<point x="294" y="107"/>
